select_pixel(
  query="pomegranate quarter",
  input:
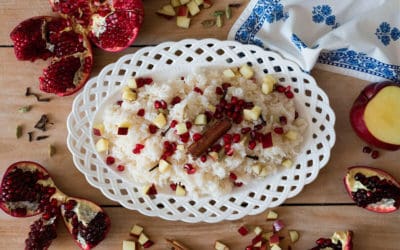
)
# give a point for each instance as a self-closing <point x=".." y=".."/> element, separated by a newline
<point x="375" y="115"/>
<point x="339" y="241"/>
<point x="373" y="189"/>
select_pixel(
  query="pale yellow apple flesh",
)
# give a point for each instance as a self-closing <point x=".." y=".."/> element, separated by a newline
<point x="382" y="115"/>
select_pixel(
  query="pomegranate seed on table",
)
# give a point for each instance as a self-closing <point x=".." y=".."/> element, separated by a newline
<point x="367" y="150"/>
<point x="279" y="88"/>
<point x="266" y="140"/>
<point x="243" y="230"/>
<point x="122" y="131"/>
<point x="375" y="154"/>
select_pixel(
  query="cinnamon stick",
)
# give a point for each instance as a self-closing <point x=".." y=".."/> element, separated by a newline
<point x="210" y="136"/>
<point x="176" y="245"/>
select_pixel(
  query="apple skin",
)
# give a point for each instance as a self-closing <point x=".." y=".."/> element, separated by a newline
<point x="357" y="115"/>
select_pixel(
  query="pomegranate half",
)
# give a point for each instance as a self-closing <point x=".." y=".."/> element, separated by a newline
<point x="341" y="240"/>
<point x="373" y="189"/>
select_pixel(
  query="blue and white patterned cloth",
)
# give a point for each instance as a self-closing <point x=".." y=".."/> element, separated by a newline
<point x="360" y="38"/>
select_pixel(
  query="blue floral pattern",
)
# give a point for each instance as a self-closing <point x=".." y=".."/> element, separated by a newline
<point x="298" y="42"/>
<point x="265" y="10"/>
<point x="385" y="33"/>
<point x="359" y="61"/>
<point x="323" y="14"/>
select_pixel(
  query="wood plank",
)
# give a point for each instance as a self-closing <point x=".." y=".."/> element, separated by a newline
<point x="155" y="29"/>
<point x="371" y="230"/>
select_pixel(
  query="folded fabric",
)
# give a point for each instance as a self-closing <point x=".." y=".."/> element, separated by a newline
<point x="360" y="38"/>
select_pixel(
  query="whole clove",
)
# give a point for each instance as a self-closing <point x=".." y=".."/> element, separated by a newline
<point x="41" y="137"/>
<point x="41" y="124"/>
<point x="38" y="98"/>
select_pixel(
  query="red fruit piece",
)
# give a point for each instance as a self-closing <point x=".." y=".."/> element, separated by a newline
<point x="110" y="160"/>
<point x="339" y="240"/>
<point x="266" y="140"/>
<point x="44" y="37"/>
<point x="189" y="168"/>
<point x="373" y="189"/>
<point x="243" y="230"/>
<point x="111" y="25"/>
<point x="88" y="230"/>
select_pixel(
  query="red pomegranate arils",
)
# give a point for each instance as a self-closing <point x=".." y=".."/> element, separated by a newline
<point x="243" y="230"/>
<point x="188" y="125"/>
<point x="196" y="136"/>
<point x="278" y="130"/>
<point x="279" y="88"/>
<point x="238" y="184"/>
<point x="122" y="131"/>
<point x="164" y="104"/>
<point x="110" y="160"/>
<point x="185" y="137"/>
<point x="289" y="94"/>
<point x="148" y="244"/>
<point x="138" y="148"/>
<point x="203" y="158"/>
<point x="153" y="129"/>
<point x="232" y="176"/>
<point x="173" y="186"/>
<point x="227" y="138"/>
<point x="282" y="120"/>
<point x="229" y="152"/>
<point x="226" y="85"/>
<point x="119" y="103"/>
<point x="266" y="140"/>
<point x="121" y="168"/>
<point x="140" y="81"/>
<point x="141" y="112"/>
<point x="157" y="104"/>
<point x="252" y="144"/>
<point x="173" y="123"/>
<point x="219" y="91"/>
<point x="375" y="154"/>
<point x="367" y="150"/>
<point x="176" y="100"/>
<point x="198" y="90"/>
<point x="236" y="138"/>
<point x="256" y="239"/>
<point x="245" y="130"/>
<point x="189" y="168"/>
<point x="96" y="132"/>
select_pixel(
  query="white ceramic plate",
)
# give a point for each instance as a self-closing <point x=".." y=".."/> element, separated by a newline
<point x="175" y="58"/>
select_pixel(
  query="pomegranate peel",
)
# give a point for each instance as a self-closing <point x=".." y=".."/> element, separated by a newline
<point x="341" y="240"/>
<point x="87" y="222"/>
<point x="373" y="189"/>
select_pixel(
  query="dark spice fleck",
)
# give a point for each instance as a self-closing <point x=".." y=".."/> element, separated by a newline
<point x="166" y="131"/>
<point x="254" y="157"/>
<point x="151" y="169"/>
<point x="41" y="137"/>
<point x="41" y="124"/>
<point x="38" y="98"/>
<point x="30" y="136"/>
<point x="235" y="5"/>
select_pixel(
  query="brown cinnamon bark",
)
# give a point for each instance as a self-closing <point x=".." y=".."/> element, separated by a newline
<point x="212" y="134"/>
<point x="176" y="245"/>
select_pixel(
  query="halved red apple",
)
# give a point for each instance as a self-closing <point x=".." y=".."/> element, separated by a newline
<point x="375" y="115"/>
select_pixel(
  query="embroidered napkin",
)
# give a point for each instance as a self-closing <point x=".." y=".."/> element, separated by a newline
<point x="360" y="38"/>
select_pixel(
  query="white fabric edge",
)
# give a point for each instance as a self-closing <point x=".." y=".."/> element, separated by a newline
<point x="350" y="72"/>
<point x="242" y="18"/>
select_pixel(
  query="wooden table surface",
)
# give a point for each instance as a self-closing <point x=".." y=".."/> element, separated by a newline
<point x="320" y="209"/>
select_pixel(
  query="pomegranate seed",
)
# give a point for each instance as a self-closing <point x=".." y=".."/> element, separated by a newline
<point x="46" y="216"/>
<point x="252" y="144"/>
<point x="256" y="239"/>
<point x="157" y="104"/>
<point x="164" y="104"/>
<point x="176" y="100"/>
<point x="375" y="154"/>
<point x="229" y="152"/>
<point x="119" y="103"/>
<point x="367" y="149"/>
<point x="236" y="138"/>
<point x="138" y="148"/>
<point x="248" y="105"/>
<point x="141" y="112"/>
<point x="189" y="168"/>
<point x="173" y="186"/>
<point x="153" y="129"/>
<point x="227" y="138"/>
<point x="141" y="81"/>
<point x="208" y="115"/>
<point x="185" y="137"/>
<point x="217" y="115"/>
<point x="110" y="160"/>
<point x="70" y="204"/>
<point x="198" y="90"/>
<point x="203" y="158"/>
<point x="197" y="136"/>
<point x="122" y="131"/>
<point x="280" y="88"/>
<point x="243" y="230"/>
<point x="296" y="115"/>
<point x="278" y="130"/>
<point x="152" y="190"/>
<point x="266" y="140"/>
<point x="120" y="168"/>
<point x="188" y="125"/>
<point x="289" y="94"/>
<point x="258" y="127"/>
<point x="96" y="132"/>
<point x="232" y="176"/>
<point x="148" y="244"/>
<point x="282" y="120"/>
<point x="219" y="91"/>
<point x="245" y="130"/>
<point x="173" y="123"/>
<point x="216" y="148"/>
<point x="226" y="85"/>
<point x="234" y="100"/>
<point x="238" y="184"/>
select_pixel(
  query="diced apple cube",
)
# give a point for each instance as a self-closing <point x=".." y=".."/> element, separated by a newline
<point x="181" y="128"/>
<point x="136" y="230"/>
<point x="193" y="8"/>
<point x="128" y="245"/>
<point x="257" y="230"/>
<point x="268" y="83"/>
<point x="214" y="155"/>
<point x="276" y="247"/>
<point x="287" y="163"/>
<point x="180" y="147"/>
<point x="199" y="2"/>
<point x="220" y="246"/>
<point x="163" y="166"/>
<point x="211" y="108"/>
<point x="183" y="22"/>
<point x="143" y="239"/>
<point x="160" y="120"/>
<point x="246" y="71"/>
<point x="256" y="168"/>
<point x="150" y="189"/>
<point x="272" y="215"/>
<point x="264" y="172"/>
<point x="201" y="119"/>
<point x="131" y="83"/>
<point x="180" y="191"/>
<point x="252" y="114"/>
<point x="267" y="235"/>
<point x="274" y="239"/>
<point x="258" y="244"/>
<point x="102" y="145"/>
<point x="207" y="4"/>
<point x="175" y="3"/>
<point x="228" y="73"/>
<point x="98" y="129"/>
<point x="125" y="124"/>
<point x="129" y="94"/>
<point x="291" y="135"/>
<point x="294" y="235"/>
<point x="184" y="1"/>
<point x="167" y="10"/>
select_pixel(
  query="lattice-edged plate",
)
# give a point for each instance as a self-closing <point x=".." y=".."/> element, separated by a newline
<point x="177" y="57"/>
